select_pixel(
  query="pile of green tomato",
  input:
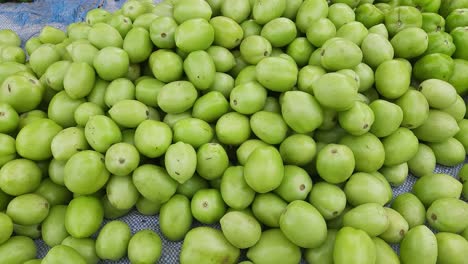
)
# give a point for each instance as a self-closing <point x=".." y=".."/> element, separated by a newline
<point x="284" y="122"/>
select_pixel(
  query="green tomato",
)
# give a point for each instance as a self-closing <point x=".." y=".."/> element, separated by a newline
<point x="166" y="65"/>
<point x="309" y="11"/>
<point x="7" y="227"/>
<point x="62" y="108"/>
<point x="54" y="193"/>
<point x="233" y="128"/>
<point x="145" y="246"/>
<point x="84" y="216"/>
<point x="154" y="183"/>
<point x="86" y="110"/>
<point x="396" y="88"/>
<point x="121" y="23"/>
<point x="297" y="217"/>
<point x="250" y="27"/>
<point x="353" y="246"/>
<point x="119" y="90"/>
<point x="35" y="139"/>
<point x="265" y="11"/>
<point x="335" y="91"/>
<point x="264" y="169"/>
<point x="7" y="149"/>
<point x="272" y="247"/>
<point x="210" y="106"/>
<point x="207" y="206"/>
<point x="396" y="175"/>
<point x="328" y="199"/>
<point x="175" y="218"/>
<point x="185" y="10"/>
<point x="410" y="43"/>
<point x="365" y="148"/>
<point x="121" y="192"/>
<point x="111" y="63"/>
<point x="193" y="131"/>
<point x="419" y="244"/>
<point x="129" y="113"/>
<point x="237" y="10"/>
<point x="103" y="35"/>
<point x="112" y="241"/>
<point x="329" y="157"/>
<point x="214" y="249"/>
<point x="439" y="94"/>
<point x="269" y="127"/>
<point x="354" y="31"/>
<point x="194" y="34"/>
<point x="298" y="149"/>
<point x="147" y="207"/>
<point x="440" y="42"/>
<point x="451" y="247"/>
<point x="356" y="195"/>
<point x="9" y="118"/>
<point x="85" y="172"/>
<point x="449" y="152"/>
<point x="300" y="50"/>
<point x="402" y="17"/>
<point x="415" y="108"/>
<point x="122" y="158"/>
<point x="370" y="218"/>
<point x="212" y="160"/>
<point x="436" y="186"/>
<point x="240" y="229"/>
<point x="277" y="74"/>
<point x="162" y="32"/>
<point x="97" y="15"/>
<point x="180" y="161"/>
<point x="400" y="146"/>
<point x="28" y="209"/>
<point x="320" y="31"/>
<point x="227" y="32"/>
<point x="60" y="252"/>
<point x="434" y="66"/>
<point x="200" y="69"/>
<point x="341" y="14"/>
<point x="388" y="118"/>
<point x="424" y="162"/>
<point x="18" y="249"/>
<point x="235" y="191"/>
<point x="53" y="228"/>
<point x="177" y="97"/>
<point x="101" y="132"/>
<point x="460" y="36"/>
<point x="339" y="53"/>
<point x="21" y="92"/>
<point x="369" y="15"/>
<point x="223" y="58"/>
<point x="9" y="37"/>
<point x="427" y="131"/>
<point x="68" y="142"/>
<point x="323" y="253"/>
<point x="357" y="120"/>
<point x="42" y="58"/>
<point x="254" y="48"/>
<point x="152" y="146"/>
<point x="137" y="44"/>
<point x="279" y="31"/>
<point x="12" y="53"/>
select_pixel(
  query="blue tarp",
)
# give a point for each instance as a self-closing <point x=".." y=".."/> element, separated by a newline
<point x="27" y="19"/>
